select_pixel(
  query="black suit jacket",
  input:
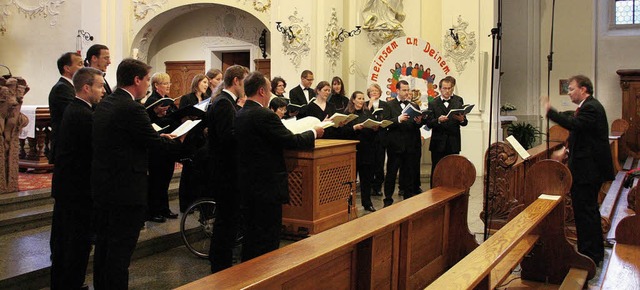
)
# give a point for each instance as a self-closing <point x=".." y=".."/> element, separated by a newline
<point x="401" y="137"/>
<point x="220" y="118"/>
<point x="262" y="139"/>
<point x="122" y="136"/>
<point x="296" y="95"/>
<point x="72" y="171"/>
<point x="107" y="87"/>
<point x="384" y="114"/>
<point x="60" y="96"/>
<point x="445" y="137"/>
<point x="589" y="153"/>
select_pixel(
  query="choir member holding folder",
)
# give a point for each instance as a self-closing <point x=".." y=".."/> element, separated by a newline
<point x="321" y="109"/>
<point x="161" y="162"/>
<point x="379" y="111"/>
<point x="365" y="150"/>
<point x="195" y="157"/>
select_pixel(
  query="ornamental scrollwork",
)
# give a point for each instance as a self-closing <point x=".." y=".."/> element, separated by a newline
<point x="142" y="7"/>
<point x="331" y="44"/>
<point x="460" y="45"/>
<point x="42" y="8"/>
<point x="298" y="46"/>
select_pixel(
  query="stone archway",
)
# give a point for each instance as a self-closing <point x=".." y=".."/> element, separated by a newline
<point x="224" y="30"/>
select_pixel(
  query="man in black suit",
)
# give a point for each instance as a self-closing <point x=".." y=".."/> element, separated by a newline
<point x="62" y="94"/>
<point x="222" y="147"/>
<point x="445" y="136"/>
<point x="122" y="136"/>
<point x="98" y="57"/>
<point x="403" y="145"/>
<point x="303" y="93"/>
<point x="71" y="230"/>
<point x="589" y="162"/>
<point x="262" y="174"/>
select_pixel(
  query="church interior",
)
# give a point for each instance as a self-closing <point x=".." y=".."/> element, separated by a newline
<point x="486" y="212"/>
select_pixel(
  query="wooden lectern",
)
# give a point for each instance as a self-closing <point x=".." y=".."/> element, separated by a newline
<point x="319" y="187"/>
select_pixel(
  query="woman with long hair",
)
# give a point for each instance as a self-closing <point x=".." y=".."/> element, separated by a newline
<point x="338" y="98"/>
<point x="321" y="109"/>
<point x="199" y="86"/>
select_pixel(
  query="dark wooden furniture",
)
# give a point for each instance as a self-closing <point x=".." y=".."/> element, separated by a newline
<point x="263" y="66"/>
<point x="630" y="84"/>
<point x="403" y="246"/>
<point x="34" y="151"/>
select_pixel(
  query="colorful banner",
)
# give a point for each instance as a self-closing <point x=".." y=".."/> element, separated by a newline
<point x="413" y="60"/>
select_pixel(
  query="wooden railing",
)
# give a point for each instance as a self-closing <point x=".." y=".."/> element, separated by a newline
<point x="33" y="151"/>
<point x="404" y="246"/>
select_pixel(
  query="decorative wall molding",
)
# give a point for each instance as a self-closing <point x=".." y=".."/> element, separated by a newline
<point x="142" y="7"/>
<point x="259" y="5"/>
<point x="383" y="20"/>
<point x="354" y="69"/>
<point x="30" y="10"/>
<point x="460" y="45"/>
<point x="332" y="47"/>
<point x="297" y="47"/>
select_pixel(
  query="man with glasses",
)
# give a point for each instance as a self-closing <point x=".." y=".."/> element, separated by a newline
<point x="302" y="94"/>
<point x="445" y="137"/>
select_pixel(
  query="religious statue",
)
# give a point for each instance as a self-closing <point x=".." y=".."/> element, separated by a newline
<point x="12" y="91"/>
<point x="383" y="19"/>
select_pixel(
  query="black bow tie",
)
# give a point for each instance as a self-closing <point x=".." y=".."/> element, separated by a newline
<point x="445" y="101"/>
<point x="405" y="102"/>
<point x="307" y="89"/>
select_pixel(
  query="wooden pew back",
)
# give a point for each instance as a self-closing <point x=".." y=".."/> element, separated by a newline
<point x="505" y="173"/>
<point x="538" y="229"/>
<point x="404" y="246"/>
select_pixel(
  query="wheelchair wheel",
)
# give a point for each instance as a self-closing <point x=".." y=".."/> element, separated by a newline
<point x="196" y="227"/>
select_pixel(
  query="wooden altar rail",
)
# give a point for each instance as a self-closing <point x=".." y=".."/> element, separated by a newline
<point x="403" y="246"/>
<point x="534" y="239"/>
<point x="507" y="174"/>
<point x="33" y="151"/>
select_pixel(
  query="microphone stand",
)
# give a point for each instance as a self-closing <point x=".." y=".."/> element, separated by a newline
<point x="550" y="68"/>
<point x="350" y="198"/>
<point x="496" y="35"/>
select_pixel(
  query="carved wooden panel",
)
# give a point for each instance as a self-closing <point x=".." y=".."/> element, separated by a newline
<point x="630" y="85"/>
<point x="181" y="74"/>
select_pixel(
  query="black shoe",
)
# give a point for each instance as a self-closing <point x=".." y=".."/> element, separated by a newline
<point x="400" y="192"/>
<point x="419" y="190"/>
<point x="376" y="192"/>
<point x="370" y="208"/>
<point x="157" y="219"/>
<point x="170" y="215"/>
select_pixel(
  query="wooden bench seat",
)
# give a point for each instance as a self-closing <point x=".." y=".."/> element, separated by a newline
<point x="611" y="198"/>
<point x="623" y="269"/>
<point x="534" y="239"/>
<point x="620" y="210"/>
<point x="628" y="164"/>
<point x="403" y="246"/>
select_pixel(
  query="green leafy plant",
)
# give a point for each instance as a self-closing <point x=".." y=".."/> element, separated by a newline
<point x="507" y="107"/>
<point x="525" y="133"/>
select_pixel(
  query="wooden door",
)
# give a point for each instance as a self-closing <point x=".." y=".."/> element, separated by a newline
<point x="630" y="84"/>
<point x="182" y="73"/>
<point x="232" y="58"/>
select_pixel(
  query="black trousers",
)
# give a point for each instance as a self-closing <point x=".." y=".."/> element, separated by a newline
<point x="225" y="228"/>
<point x="587" y="216"/>
<point x="378" y="166"/>
<point x="405" y="163"/>
<point x="264" y="226"/>
<point x="436" y="156"/>
<point x="365" y="172"/>
<point x="118" y="229"/>
<point x="160" y="173"/>
<point x="71" y="238"/>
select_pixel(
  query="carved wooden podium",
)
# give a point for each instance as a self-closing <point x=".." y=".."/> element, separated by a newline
<point x="319" y="197"/>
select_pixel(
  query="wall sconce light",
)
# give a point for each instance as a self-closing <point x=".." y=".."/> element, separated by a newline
<point x="82" y="35"/>
<point x="346" y="34"/>
<point x="454" y="36"/>
<point x="262" y="43"/>
<point x="286" y="30"/>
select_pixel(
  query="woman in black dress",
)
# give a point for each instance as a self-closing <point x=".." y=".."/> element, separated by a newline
<point x="365" y="150"/>
<point x="338" y="98"/>
<point x="321" y="109"/>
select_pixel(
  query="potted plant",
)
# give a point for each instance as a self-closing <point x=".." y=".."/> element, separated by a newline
<point x="525" y="133"/>
<point x="507" y="107"/>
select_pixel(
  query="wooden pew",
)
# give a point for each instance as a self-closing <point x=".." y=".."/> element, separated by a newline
<point x="404" y="246"/>
<point x="507" y="171"/>
<point x="534" y="238"/>
<point x="623" y="270"/>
